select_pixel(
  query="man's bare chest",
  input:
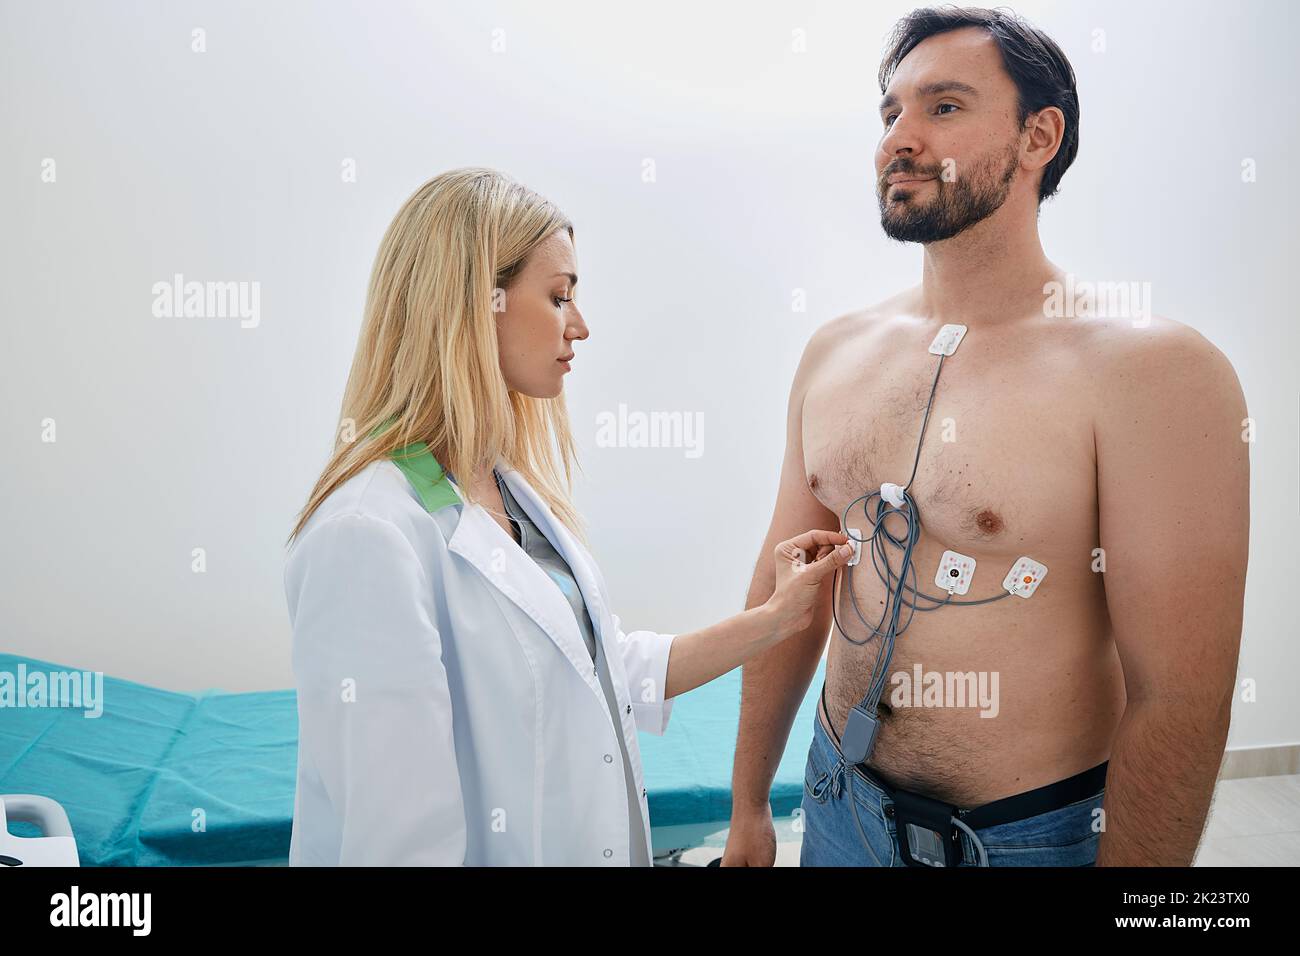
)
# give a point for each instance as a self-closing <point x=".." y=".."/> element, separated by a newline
<point x="1007" y="460"/>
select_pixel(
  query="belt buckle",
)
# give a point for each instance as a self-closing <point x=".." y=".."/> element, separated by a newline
<point x="926" y="835"/>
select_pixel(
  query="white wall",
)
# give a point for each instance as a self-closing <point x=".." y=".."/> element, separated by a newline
<point x="180" y="433"/>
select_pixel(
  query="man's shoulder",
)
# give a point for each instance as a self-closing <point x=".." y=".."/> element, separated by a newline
<point x="1157" y="369"/>
<point x="1154" y="353"/>
<point x="851" y="326"/>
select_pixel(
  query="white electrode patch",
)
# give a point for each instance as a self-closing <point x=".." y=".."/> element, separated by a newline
<point x="1024" y="577"/>
<point x="946" y="342"/>
<point x="855" y="539"/>
<point x="955" y="572"/>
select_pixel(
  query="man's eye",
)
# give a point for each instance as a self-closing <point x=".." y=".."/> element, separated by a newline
<point x="889" y="118"/>
<point x="953" y="105"/>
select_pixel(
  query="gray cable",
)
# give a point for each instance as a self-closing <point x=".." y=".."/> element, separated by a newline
<point x="853" y="807"/>
<point x="983" y="857"/>
<point x="879" y="539"/>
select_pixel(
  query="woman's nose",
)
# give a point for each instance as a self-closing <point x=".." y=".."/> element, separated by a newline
<point x="578" y="327"/>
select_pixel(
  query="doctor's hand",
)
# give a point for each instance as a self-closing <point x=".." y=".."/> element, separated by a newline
<point x="803" y="564"/>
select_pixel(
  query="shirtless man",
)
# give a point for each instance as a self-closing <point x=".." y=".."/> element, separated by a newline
<point x="1049" y="437"/>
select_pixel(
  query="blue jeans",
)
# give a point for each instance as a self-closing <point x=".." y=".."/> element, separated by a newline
<point x="1063" y="837"/>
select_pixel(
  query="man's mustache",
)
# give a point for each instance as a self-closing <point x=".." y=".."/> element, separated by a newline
<point x="907" y="168"/>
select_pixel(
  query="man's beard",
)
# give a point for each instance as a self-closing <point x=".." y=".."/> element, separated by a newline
<point x="956" y="206"/>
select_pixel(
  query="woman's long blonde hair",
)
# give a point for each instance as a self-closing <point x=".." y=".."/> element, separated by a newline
<point x="426" y="359"/>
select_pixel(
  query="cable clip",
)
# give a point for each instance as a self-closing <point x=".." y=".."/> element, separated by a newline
<point x="892" y="493"/>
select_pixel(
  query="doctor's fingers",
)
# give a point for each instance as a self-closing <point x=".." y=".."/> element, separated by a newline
<point x="830" y="562"/>
<point x="815" y="543"/>
<point x="820" y="551"/>
<point x="792" y="566"/>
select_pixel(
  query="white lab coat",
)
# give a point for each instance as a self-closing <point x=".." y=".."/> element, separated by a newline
<point x="449" y="710"/>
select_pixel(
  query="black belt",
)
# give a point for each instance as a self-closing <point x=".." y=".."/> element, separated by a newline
<point x="1043" y="799"/>
<point x="1021" y="806"/>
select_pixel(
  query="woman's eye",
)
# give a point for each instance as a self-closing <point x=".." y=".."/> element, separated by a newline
<point x="559" y="300"/>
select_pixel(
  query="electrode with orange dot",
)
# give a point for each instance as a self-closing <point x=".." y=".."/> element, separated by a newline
<point x="1024" y="577"/>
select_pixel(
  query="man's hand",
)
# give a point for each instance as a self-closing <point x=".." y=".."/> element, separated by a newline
<point x="751" y="841"/>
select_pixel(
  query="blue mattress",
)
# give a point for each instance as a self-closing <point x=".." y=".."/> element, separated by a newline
<point x="688" y="769"/>
<point x="132" y="779"/>
<point x="172" y="779"/>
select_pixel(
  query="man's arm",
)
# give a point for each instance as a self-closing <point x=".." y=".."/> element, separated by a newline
<point x="773" y="683"/>
<point x="1173" y="486"/>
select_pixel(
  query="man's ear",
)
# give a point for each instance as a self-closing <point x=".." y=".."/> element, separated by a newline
<point x="1045" y="130"/>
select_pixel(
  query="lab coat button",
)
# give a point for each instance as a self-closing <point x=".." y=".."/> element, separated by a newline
<point x="629" y="708"/>
<point x="608" y="854"/>
<point x="609" y="758"/>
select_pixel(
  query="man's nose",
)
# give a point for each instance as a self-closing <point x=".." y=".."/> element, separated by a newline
<point x="900" y="140"/>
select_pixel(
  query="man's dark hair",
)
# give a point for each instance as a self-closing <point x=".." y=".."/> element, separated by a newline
<point x="1042" y="74"/>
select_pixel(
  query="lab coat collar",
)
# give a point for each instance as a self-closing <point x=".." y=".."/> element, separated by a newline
<point x="485" y="544"/>
<point x="559" y="535"/>
<point x="426" y="476"/>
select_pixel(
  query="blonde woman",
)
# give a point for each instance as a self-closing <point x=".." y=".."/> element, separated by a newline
<point x="465" y="693"/>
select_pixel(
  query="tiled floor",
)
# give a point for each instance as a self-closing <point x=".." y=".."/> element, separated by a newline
<point x="1253" y="822"/>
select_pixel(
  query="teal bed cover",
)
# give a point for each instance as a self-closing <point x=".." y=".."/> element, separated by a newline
<point x="199" y="779"/>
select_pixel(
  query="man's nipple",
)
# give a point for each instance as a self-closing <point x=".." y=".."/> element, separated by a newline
<point x="988" y="521"/>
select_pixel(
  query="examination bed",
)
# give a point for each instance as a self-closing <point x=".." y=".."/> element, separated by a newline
<point x="175" y="779"/>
